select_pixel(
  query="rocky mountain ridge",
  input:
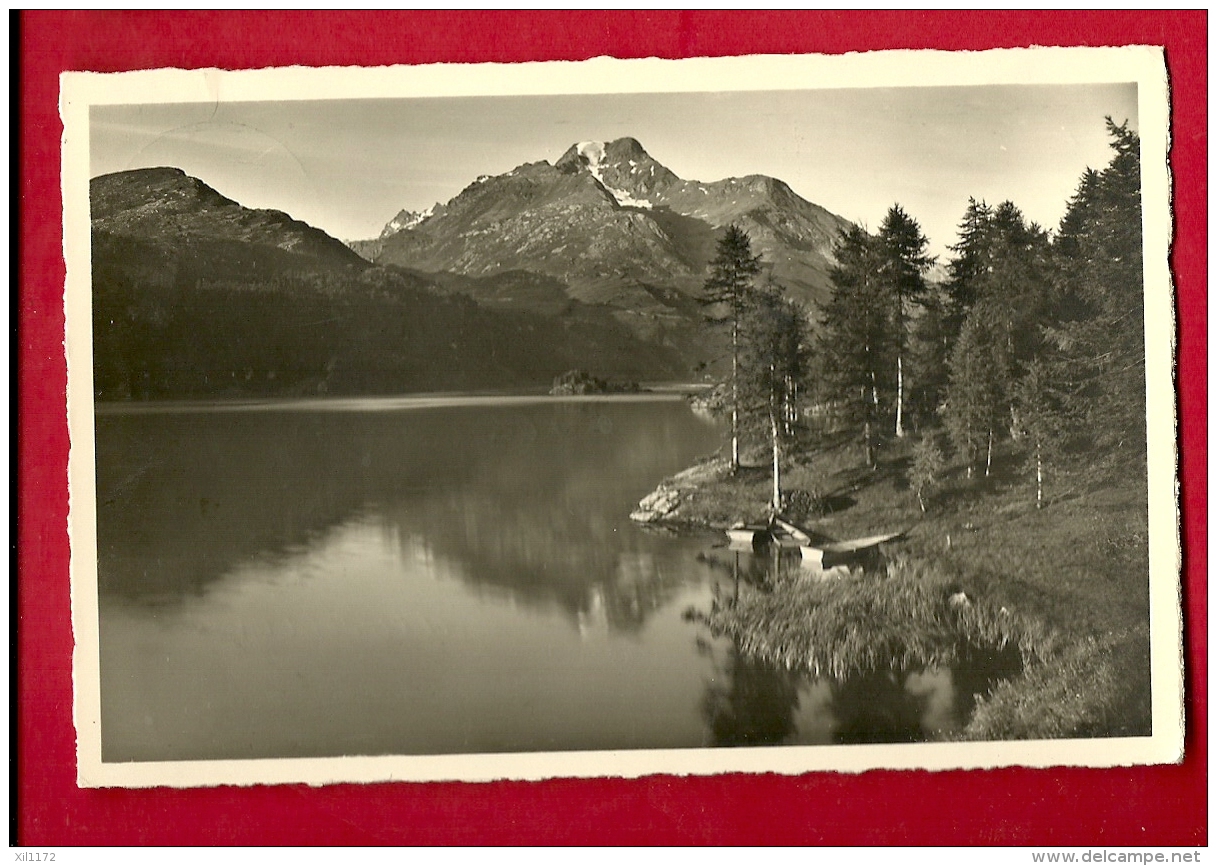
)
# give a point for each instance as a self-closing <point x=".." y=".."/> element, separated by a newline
<point x="194" y="295"/>
<point x="618" y="228"/>
<point x="166" y="202"/>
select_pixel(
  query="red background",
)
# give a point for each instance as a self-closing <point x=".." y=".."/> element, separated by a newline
<point x="1148" y="805"/>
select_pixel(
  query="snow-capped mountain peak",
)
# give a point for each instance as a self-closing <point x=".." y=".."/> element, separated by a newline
<point x="593" y="153"/>
<point x="615" y="226"/>
<point x="407" y="219"/>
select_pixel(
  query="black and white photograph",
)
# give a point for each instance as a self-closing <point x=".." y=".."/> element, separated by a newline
<point x="622" y="417"/>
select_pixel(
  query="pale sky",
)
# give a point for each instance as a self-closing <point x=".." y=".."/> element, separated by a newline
<point x="349" y="166"/>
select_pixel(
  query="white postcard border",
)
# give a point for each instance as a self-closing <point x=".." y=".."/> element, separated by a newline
<point x="1143" y="64"/>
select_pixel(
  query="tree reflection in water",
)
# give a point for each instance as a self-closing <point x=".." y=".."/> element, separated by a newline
<point x="527" y="501"/>
<point x="746" y="570"/>
<point x="748" y="702"/>
<point x="878" y="708"/>
<point x="751" y="702"/>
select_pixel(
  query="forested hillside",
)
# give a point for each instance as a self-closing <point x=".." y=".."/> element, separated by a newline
<point x="195" y="296"/>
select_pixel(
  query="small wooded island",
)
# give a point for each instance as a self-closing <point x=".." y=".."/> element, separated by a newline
<point x="576" y="382"/>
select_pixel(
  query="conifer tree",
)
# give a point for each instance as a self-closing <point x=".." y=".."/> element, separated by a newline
<point x="972" y="259"/>
<point x="999" y="258"/>
<point x="929" y="352"/>
<point x="979" y="389"/>
<point x="1044" y="414"/>
<point x="925" y="472"/>
<point x="856" y="348"/>
<point x="730" y="284"/>
<point x="1099" y="255"/>
<point x="1001" y="287"/>
<point x="773" y="340"/>
<point x="902" y="270"/>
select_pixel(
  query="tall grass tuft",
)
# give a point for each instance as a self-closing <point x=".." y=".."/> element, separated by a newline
<point x="1077" y="692"/>
<point x="908" y="617"/>
<point x="915" y="616"/>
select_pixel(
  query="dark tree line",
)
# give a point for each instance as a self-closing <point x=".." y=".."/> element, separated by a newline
<point x="232" y="319"/>
<point x="1033" y="342"/>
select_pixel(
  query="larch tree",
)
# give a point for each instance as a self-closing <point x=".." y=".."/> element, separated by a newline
<point x="1099" y="255"/>
<point x="773" y="341"/>
<point x="1045" y="418"/>
<point x="856" y="349"/>
<point x="929" y="351"/>
<point x="925" y="472"/>
<point x="971" y="260"/>
<point x="1001" y="287"/>
<point x="903" y="265"/>
<point x="979" y="389"/>
<point x="729" y="286"/>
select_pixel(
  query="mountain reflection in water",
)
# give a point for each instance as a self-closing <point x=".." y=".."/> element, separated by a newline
<point x="425" y="579"/>
<point x="530" y="499"/>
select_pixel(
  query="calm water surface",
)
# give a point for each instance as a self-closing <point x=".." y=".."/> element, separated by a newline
<point x="430" y="576"/>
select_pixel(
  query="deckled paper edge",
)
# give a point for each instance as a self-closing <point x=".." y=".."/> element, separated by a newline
<point x="1143" y="64"/>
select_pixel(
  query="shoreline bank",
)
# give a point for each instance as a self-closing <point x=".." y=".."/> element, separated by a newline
<point x="1066" y="587"/>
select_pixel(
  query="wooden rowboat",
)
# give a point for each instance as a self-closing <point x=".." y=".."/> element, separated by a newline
<point x="742" y="535"/>
<point x="813" y="549"/>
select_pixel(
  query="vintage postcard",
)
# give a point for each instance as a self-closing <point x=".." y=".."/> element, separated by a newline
<point x="754" y="414"/>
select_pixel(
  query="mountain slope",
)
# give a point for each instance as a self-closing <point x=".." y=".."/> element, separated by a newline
<point x="614" y="224"/>
<point x="194" y="296"/>
<point x="168" y="203"/>
<point x="540" y="218"/>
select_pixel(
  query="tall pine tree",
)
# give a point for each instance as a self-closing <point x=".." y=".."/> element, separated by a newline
<point x="773" y="341"/>
<point x="904" y="262"/>
<point x="729" y="286"/>
<point x="856" y="347"/>
<point x="979" y="389"/>
<point x="1000" y="285"/>
<point x="1099" y="255"/>
<point x="972" y="260"/>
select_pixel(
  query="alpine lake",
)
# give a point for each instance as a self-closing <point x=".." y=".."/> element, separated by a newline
<point x="437" y="575"/>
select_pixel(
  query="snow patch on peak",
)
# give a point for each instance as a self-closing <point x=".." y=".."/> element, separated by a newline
<point x="625" y="199"/>
<point x="593" y="152"/>
<point x="407" y="220"/>
<point x="422" y="215"/>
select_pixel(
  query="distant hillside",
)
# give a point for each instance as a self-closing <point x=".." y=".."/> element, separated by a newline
<point x="195" y="295"/>
<point x="168" y="204"/>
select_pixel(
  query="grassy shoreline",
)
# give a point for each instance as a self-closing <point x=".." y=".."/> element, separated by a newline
<point x="1065" y="587"/>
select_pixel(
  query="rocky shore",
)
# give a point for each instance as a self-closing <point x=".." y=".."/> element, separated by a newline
<point x="669" y="503"/>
